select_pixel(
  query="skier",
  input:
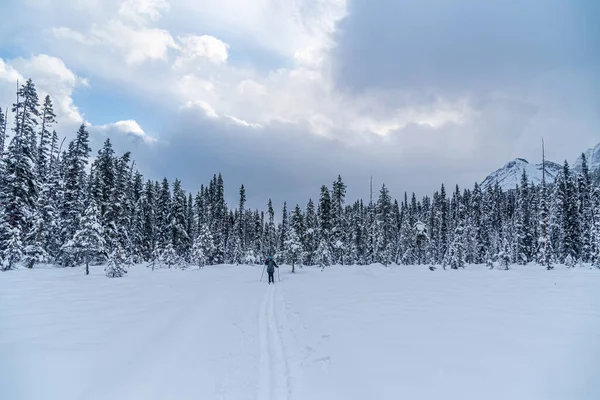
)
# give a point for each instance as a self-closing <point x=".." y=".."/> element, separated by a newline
<point x="271" y="265"/>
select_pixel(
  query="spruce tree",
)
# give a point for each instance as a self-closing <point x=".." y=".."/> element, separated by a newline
<point x="523" y="222"/>
<point x="505" y="255"/>
<point x="163" y="216"/>
<point x="596" y="227"/>
<point x="585" y="209"/>
<point x="87" y="244"/>
<point x="457" y="253"/>
<point x="20" y="186"/>
<point x="544" y="253"/>
<point x="204" y="247"/>
<point x="115" y="268"/>
<point x="75" y="176"/>
<point x="338" y="228"/>
<point x="322" y="255"/>
<point x="568" y="215"/>
<point x="270" y="231"/>
<point x="292" y="247"/>
<point x="13" y="249"/>
<point x="311" y="239"/>
<point x="3" y="118"/>
<point x="324" y="228"/>
<point x="180" y="239"/>
<point x="48" y="118"/>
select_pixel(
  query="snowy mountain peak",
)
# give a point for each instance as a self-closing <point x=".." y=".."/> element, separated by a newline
<point x="593" y="159"/>
<point x="509" y="176"/>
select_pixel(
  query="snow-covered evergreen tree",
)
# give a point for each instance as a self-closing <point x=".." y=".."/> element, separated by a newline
<point x="322" y="255"/>
<point x="3" y="121"/>
<point x="292" y="247"/>
<point x="596" y="227"/>
<point x="169" y="257"/>
<point x="524" y="239"/>
<point x="585" y="209"/>
<point x="567" y="213"/>
<point x="421" y="238"/>
<point x="115" y="268"/>
<point x="20" y="185"/>
<point x="311" y="239"/>
<point x="457" y="254"/>
<point x="180" y="239"/>
<point x="505" y="255"/>
<point x="163" y="215"/>
<point x="75" y="177"/>
<point x="87" y="244"/>
<point x="12" y="249"/>
<point x="48" y="118"/>
<point x="204" y="245"/>
<point x="338" y="223"/>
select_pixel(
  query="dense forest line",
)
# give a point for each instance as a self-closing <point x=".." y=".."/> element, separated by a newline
<point x="52" y="210"/>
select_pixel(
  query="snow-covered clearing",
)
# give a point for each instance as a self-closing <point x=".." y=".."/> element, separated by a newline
<point x="342" y="333"/>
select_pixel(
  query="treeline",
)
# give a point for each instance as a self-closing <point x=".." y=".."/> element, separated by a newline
<point x="54" y="211"/>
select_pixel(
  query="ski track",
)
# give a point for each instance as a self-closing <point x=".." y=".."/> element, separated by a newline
<point x="275" y="377"/>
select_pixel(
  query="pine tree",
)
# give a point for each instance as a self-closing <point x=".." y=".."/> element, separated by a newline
<point x="323" y="254"/>
<point x="198" y="256"/>
<point x="136" y="234"/>
<point x="3" y="121"/>
<point x="169" y="257"/>
<point x="567" y="213"/>
<point x="292" y="247"/>
<point x="523" y="223"/>
<point x="75" y="162"/>
<point x="596" y="227"/>
<point x="338" y="228"/>
<point x="311" y="240"/>
<point x="505" y="255"/>
<point x="421" y="238"/>
<point x="204" y="246"/>
<point x="270" y="231"/>
<point x="585" y="208"/>
<point x="180" y="239"/>
<point x="385" y="224"/>
<point x="13" y="249"/>
<point x="163" y="216"/>
<point x="457" y="252"/>
<point x="35" y="251"/>
<point x="324" y="231"/>
<point x="87" y="244"/>
<point x="544" y="254"/>
<point x="48" y="118"/>
<point x="115" y="268"/>
<point x="20" y="186"/>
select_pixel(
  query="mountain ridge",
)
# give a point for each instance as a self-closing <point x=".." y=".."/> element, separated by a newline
<point x="509" y="175"/>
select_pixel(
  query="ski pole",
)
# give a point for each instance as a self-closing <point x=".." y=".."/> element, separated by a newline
<point x="278" y="277"/>
<point x="263" y="272"/>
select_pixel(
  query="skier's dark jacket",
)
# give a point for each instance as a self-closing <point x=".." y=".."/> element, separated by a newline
<point x="271" y="266"/>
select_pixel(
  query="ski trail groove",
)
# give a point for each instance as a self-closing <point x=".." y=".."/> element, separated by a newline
<point x="264" y="384"/>
<point x="274" y="373"/>
<point x="281" y="372"/>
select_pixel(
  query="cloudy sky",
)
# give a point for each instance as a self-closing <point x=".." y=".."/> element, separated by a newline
<point x="284" y="95"/>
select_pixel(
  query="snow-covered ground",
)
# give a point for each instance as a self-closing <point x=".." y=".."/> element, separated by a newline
<point x="343" y="333"/>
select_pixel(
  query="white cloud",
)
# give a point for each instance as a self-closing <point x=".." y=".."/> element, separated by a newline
<point x="211" y="113"/>
<point x="8" y="73"/>
<point x="143" y="11"/>
<point x="64" y="33"/>
<point x="137" y="44"/>
<point x="205" y="46"/>
<point x="197" y="67"/>
<point x="51" y="76"/>
<point x="128" y="127"/>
